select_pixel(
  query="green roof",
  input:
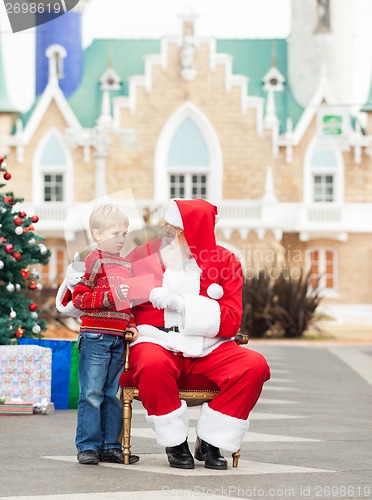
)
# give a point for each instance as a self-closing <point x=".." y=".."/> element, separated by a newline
<point x="254" y="58"/>
<point x="251" y="57"/>
<point x="5" y="104"/>
<point x="128" y="59"/>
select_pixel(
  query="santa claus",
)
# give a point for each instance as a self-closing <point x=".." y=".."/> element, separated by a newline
<point x="188" y="326"/>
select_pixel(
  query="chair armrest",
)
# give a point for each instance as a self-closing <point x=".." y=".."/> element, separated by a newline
<point x="128" y="337"/>
<point x="241" y="339"/>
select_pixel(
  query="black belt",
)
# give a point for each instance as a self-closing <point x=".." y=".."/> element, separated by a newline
<point x="171" y="329"/>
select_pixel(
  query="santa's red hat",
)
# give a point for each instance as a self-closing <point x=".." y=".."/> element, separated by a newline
<point x="197" y="218"/>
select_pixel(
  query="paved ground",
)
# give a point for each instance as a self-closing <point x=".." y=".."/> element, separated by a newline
<point x="310" y="438"/>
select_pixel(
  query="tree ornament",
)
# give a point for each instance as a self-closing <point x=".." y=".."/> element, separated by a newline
<point x="34" y="315"/>
<point x="43" y="249"/>
<point x="7" y="176"/>
<point x="31" y="242"/>
<point x="17" y="256"/>
<point x="2" y="158"/>
<point x="20" y="331"/>
<point x="18" y="230"/>
<point x="18" y="287"/>
<point x="9" y="248"/>
<point x="22" y="214"/>
<point x="12" y="314"/>
<point x="4" y="166"/>
<point x="1" y="264"/>
<point x="18" y="221"/>
<point x="33" y="307"/>
<point x="10" y="287"/>
<point x="34" y="218"/>
<point x="7" y="199"/>
<point x="2" y="239"/>
<point x="32" y="285"/>
<point x="36" y="329"/>
<point x="25" y="274"/>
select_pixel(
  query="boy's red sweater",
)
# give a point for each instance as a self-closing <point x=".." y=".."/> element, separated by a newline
<point x="104" y="309"/>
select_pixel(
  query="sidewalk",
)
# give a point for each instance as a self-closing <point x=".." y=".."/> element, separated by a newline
<point x="310" y="437"/>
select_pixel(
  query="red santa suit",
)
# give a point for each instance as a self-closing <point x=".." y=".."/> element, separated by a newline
<point x="188" y="326"/>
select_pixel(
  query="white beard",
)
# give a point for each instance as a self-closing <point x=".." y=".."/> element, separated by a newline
<point x="175" y="256"/>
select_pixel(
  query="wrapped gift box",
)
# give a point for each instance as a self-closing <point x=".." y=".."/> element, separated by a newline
<point x="16" y="408"/>
<point x="65" y="365"/>
<point x="25" y="373"/>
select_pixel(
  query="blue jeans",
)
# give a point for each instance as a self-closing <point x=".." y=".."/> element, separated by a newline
<point x="99" y="416"/>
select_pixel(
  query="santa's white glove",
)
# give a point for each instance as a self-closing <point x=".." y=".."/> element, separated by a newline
<point x="161" y="298"/>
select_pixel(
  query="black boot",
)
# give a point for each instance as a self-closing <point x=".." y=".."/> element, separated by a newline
<point x="210" y="455"/>
<point x="179" y="456"/>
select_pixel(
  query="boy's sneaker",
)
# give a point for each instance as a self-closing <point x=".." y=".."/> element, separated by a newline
<point x="115" y="455"/>
<point x="88" y="457"/>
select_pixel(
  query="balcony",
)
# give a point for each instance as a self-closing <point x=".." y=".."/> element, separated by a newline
<point x="309" y="220"/>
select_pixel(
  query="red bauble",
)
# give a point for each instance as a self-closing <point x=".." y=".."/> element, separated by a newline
<point x="22" y="214"/>
<point x="25" y="274"/>
<point x="33" y="307"/>
<point x="9" y="248"/>
<point x="18" y="221"/>
<point x="34" y="218"/>
<point x="7" y="199"/>
<point x="17" y="255"/>
<point x="2" y="239"/>
<point x="7" y="176"/>
<point x="19" y="333"/>
<point x="1" y="159"/>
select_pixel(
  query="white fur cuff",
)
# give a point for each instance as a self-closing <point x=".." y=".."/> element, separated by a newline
<point x="201" y="317"/>
<point x="69" y="308"/>
<point x="171" y="429"/>
<point x="221" y="430"/>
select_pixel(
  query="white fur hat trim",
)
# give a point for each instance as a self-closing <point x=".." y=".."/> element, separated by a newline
<point x="172" y="215"/>
<point x="215" y="291"/>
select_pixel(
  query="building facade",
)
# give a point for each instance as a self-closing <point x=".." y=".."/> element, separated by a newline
<point x="271" y="130"/>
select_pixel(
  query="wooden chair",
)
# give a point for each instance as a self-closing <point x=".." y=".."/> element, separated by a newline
<point x="194" y="389"/>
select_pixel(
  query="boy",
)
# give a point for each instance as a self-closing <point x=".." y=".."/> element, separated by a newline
<point x="102" y="295"/>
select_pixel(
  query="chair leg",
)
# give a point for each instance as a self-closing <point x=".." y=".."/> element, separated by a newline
<point x="127" y="421"/>
<point x="235" y="457"/>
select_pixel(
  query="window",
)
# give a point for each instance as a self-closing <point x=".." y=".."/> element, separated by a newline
<point x="322" y="263"/>
<point x="53" y="171"/>
<point x="324" y="174"/>
<point x="52" y="274"/>
<point x="323" y="188"/>
<point x="53" y="187"/>
<point x="188" y="162"/>
<point x="323" y="16"/>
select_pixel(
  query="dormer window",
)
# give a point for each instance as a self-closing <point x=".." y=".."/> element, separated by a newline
<point x="56" y="54"/>
<point x="274" y="80"/>
<point x="110" y="80"/>
<point x="323" y="12"/>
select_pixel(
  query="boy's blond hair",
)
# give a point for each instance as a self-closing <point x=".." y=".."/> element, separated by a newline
<point x="106" y="216"/>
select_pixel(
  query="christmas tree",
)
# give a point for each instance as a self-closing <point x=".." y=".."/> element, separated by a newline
<point x="20" y="249"/>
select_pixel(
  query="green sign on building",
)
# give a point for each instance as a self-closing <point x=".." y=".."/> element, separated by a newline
<point x="332" y="125"/>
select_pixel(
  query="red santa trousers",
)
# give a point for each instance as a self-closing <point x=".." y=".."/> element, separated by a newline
<point x="239" y="373"/>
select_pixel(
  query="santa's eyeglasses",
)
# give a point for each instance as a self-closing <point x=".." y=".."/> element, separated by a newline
<point x="171" y="231"/>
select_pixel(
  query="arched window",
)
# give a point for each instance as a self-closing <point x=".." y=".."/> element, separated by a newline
<point x="188" y="162"/>
<point x="52" y="176"/>
<point x="188" y="157"/>
<point x="323" y="179"/>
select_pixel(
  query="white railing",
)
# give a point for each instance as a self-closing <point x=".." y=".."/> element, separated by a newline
<point x="289" y="217"/>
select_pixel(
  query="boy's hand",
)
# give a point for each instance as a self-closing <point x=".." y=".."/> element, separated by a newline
<point x="123" y="290"/>
<point x="135" y="332"/>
